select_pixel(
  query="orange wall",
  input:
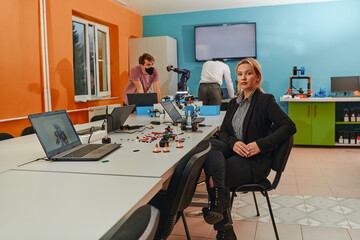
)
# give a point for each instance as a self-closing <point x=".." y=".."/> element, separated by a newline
<point x="21" y="83"/>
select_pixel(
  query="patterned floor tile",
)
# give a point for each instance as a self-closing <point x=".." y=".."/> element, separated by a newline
<point x="354" y="225"/>
<point x="353" y="203"/>
<point x="327" y="217"/>
<point x="354" y="219"/>
<point x="287" y="201"/>
<point x="290" y="215"/>
<point x="321" y="202"/>
<point x="303" y="210"/>
<point x="249" y="213"/>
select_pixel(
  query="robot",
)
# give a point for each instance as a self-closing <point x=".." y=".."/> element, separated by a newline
<point x="183" y="96"/>
<point x="60" y="135"/>
<point x="182" y="86"/>
<point x="191" y="114"/>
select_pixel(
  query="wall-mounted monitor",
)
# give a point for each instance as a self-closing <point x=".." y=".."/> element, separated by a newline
<point x="226" y="41"/>
<point x="345" y="84"/>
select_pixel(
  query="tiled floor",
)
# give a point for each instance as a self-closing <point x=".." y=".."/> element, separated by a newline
<point x="318" y="198"/>
<point x="304" y="210"/>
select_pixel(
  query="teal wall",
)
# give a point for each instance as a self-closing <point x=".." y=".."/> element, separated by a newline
<point x="322" y="37"/>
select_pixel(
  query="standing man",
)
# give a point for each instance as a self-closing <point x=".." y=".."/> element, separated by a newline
<point x="142" y="76"/>
<point x="212" y="75"/>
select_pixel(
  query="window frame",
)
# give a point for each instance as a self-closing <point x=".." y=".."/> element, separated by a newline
<point x="98" y="94"/>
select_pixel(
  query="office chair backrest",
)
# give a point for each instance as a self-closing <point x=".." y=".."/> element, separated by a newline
<point x="142" y="225"/>
<point x="97" y="118"/>
<point x="182" y="186"/>
<point x="27" y="131"/>
<point x="4" y="136"/>
<point x="280" y="157"/>
<point x="189" y="178"/>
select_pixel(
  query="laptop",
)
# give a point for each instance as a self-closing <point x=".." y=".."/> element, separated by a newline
<point x="175" y="114"/>
<point x="59" y="140"/>
<point x="142" y="99"/>
<point x="118" y="117"/>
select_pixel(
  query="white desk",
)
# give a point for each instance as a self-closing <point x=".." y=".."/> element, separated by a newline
<point x="21" y="150"/>
<point x="43" y="205"/>
<point x="125" y="162"/>
<point x="83" y="200"/>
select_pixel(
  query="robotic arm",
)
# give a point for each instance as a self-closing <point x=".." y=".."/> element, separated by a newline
<point x="185" y="75"/>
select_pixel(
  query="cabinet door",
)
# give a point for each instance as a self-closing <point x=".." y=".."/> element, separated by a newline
<point x="300" y="113"/>
<point x="323" y="124"/>
<point x="137" y="47"/>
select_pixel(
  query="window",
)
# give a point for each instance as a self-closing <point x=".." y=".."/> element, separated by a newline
<point x="91" y="60"/>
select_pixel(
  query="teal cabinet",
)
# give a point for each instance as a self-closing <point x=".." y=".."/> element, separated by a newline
<point x="315" y="123"/>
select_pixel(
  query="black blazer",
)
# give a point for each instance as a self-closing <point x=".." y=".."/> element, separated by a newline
<point x="266" y="123"/>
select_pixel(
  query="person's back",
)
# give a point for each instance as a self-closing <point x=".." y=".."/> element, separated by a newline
<point x="212" y="75"/>
<point x="213" y="71"/>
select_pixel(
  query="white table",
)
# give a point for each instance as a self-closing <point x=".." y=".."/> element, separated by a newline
<point x="43" y="205"/>
<point x="125" y="162"/>
<point x="83" y="200"/>
<point x="24" y="149"/>
<point x="20" y="150"/>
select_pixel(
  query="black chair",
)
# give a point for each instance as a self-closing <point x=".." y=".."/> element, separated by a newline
<point x="279" y="159"/>
<point x="141" y="224"/>
<point x="27" y="131"/>
<point x="182" y="185"/>
<point x="98" y="117"/>
<point x="4" y="136"/>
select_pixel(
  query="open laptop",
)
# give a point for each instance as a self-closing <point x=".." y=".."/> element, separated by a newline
<point x="118" y="117"/>
<point x="175" y="114"/>
<point x="142" y="99"/>
<point x="59" y="140"/>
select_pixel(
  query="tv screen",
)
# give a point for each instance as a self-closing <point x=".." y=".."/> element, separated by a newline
<point x="226" y="41"/>
<point x="345" y="84"/>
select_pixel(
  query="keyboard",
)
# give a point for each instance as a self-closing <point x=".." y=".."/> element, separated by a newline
<point x="84" y="150"/>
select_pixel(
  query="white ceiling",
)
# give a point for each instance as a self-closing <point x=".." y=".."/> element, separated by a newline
<point x="156" y="7"/>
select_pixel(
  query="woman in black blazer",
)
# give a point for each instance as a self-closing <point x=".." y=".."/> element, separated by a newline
<point x="253" y="126"/>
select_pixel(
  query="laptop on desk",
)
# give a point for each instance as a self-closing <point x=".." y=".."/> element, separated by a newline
<point x="60" y="141"/>
<point x="118" y="117"/>
<point x="175" y="114"/>
<point x="142" y="99"/>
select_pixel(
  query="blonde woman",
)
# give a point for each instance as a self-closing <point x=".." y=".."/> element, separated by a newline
<point x="246" y="139"/>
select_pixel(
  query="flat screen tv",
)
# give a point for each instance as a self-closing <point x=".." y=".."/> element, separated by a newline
<point x="226" y="41"/>
<point x="345" y="84"/>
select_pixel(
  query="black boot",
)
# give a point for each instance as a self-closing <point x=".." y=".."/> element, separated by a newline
<point x="218" y="204"/>
<point x="224" y="228"/>
<point x="226" y="234"/>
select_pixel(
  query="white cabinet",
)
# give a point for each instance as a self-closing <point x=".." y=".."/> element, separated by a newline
<point x="164" y="50"/>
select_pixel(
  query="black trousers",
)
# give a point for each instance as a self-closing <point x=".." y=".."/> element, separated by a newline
<point x="210" y="93"/>
<point x="227" y="168"/>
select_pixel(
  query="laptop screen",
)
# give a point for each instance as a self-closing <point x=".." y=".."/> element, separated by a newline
<point x="119" y="116"/>
<point x="171" y="110"/>
<point x="55" y="131"/>
<point x="142" y="99"/>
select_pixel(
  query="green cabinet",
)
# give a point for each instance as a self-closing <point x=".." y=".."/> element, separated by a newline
<point x="315" y="123"/>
